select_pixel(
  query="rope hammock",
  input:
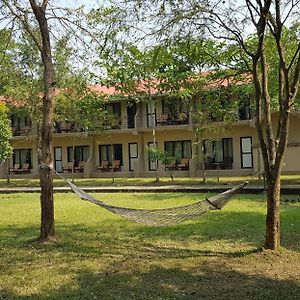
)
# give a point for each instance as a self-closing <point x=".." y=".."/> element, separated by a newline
<point x="164" y="216"/>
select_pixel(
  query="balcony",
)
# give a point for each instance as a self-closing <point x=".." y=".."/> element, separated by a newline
<point x="122" y="123"/>
<point x="21" y="125"/>
<point x="245" y="113"/>
<point x="65" y="127"/>
<point x="110" y="124"/>
<point x="21" y="131"/>
<point x="173" y="119"/>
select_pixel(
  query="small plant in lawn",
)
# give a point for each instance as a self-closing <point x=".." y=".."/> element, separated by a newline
<point x="166" y="158"/>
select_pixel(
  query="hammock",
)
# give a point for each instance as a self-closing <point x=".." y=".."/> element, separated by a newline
<point x="164" y="216"/>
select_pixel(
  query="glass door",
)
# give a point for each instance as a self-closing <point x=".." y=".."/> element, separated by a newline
<point x="133" y="154"/>
<point x="58" y="159"/>
<point x="246" y="153"/>
<point x="131" y="112"/>
<point x="151" y="118"/>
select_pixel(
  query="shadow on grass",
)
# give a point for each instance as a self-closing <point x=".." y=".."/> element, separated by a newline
<point x="138" y="262"/>
<point x="216" y="233"/>
<point x="206" y="281"/>
<point x="230" y="226"/>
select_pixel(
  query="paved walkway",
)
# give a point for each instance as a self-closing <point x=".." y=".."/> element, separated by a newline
<point x="251" y="189"/>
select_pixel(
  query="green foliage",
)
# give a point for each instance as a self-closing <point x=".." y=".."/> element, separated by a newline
<point x="5" y="133"/>
<point x="11" y="72"/>
<point x="83" y="107"/>
<point x="240" y="62"/>
<point x="171" y="69"/>
<point x="67" y="75"/>
<point x="28" y="56"/>
<point x="164" y="157"/>
<point x="21" y="76"/>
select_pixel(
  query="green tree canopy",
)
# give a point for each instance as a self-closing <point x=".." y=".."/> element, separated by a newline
<point x="5" y="133"/>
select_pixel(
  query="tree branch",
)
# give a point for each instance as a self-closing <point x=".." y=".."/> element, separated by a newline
<point x="24" y="21"/>
<point x="44" y="4"/>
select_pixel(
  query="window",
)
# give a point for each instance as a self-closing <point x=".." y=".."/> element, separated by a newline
<point x="110" y="153"/>
<point x="82" y="153"/>
<point x="175" y="106"/>
<point x="133" y="154"/>
<point x="179" y="149"/>
<point x="151" y="114"/>
<point x="20" y="124"/>
<point x="58" y="165"/>
<point x="113" y="108"/>
<point x="246" y="153"/>
<point x="227" y="149"/>
<point x="245" y="108"/>
<point x="218" y="153"/>
<point x="22" y="156"/>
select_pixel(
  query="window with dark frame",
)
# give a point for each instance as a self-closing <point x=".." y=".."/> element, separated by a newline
<point x="244" y="108"/>
<point x="22" y="156"/>
<point x="175" y="106"/>
<point x="19" y="122"/>
<point x="218" y="153"/>
<point x="58" y="162"/>
<point x="227" y="146"/>
<point x="110" y="153"/>
<point x="82" y="153"/>
<point x="246" y="152"/>
<point x="133" y="154"/>
<point x="114" y="108"/>
<point x="179" y="149"/>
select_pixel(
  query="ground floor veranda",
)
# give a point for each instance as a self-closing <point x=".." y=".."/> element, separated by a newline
<point x="233" y="151"/>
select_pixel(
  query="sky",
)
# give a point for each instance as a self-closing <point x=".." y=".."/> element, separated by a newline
<point x="75" y="3"/>
<point x="89" y="4"/>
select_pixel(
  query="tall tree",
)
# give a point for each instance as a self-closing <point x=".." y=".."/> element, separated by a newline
<point x="269" y="18"/>
<point x="32" y="18"/>
<point x="5" y="133"/>
<point x="233" y="23"/>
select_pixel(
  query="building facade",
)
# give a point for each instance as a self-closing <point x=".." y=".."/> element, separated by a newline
<point x="122" y="150"/>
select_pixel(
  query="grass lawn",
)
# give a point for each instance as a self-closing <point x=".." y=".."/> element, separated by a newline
<point x="286" y="179"/>
<point x="99" y="255"/>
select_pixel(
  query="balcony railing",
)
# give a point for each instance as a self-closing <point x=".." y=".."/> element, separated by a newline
<point x="149" y="120"/>
<point x="173" y="119"/>
<point x="143" y="121"/>
<point x="21" y="131"/>
<point x="120" y="123"/>
<point x="245" y="113"/>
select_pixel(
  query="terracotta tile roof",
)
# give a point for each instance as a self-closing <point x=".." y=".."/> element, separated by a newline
<point x="103" y="89"/>
<point x="12" y="102"/>
<point x="143" y="86"/>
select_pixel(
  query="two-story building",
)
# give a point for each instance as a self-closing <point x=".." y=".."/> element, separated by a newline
<point x="122" y="150"/>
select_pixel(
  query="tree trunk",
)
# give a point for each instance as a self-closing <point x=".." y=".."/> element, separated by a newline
<point x="156" y="160"/>
<point x="272" y="240"/>
<point x="202" y="157"/>
<point x="46" y="178"/>
<point x="7" y="171"/>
